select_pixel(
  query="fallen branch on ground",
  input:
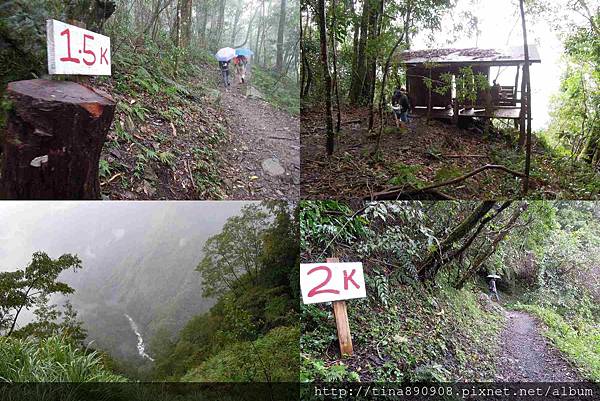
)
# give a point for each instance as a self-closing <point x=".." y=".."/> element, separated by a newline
<point x="458" y="156"/>
<point x="400" y="193"/>
<point x="282" y="138"/>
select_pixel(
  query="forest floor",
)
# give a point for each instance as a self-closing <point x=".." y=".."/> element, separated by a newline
<point x="526" y="356"/>
<point x="427" y="153"/>
<point x="263" y="157"/>
<point x="188" y="139"/>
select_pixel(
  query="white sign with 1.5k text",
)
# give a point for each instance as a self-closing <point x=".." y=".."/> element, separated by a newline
<point x="73" y="50"/>
<point x="325" y="282"/>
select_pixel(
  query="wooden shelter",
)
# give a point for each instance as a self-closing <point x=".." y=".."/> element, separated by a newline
<point x="438" y="64"/>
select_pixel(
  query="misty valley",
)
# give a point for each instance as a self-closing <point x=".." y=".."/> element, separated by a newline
<point x="199" y="292"/>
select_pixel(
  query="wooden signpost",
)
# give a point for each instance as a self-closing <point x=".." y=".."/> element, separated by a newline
<point x="55" y="130"/>
<point x="334" y="282"/>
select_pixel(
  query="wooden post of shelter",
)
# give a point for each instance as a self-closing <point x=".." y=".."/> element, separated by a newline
<point x="516" y="122"/>
<point x="455" y="110"/>
<point x="53" y="139"/>
<point x="340" y="312"/>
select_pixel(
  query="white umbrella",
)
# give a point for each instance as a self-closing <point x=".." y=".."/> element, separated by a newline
<point x="493" y="276"/>
<point x="225" y="54"/>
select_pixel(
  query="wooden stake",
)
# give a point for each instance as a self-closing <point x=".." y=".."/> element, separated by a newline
<point x="340" y="312"/>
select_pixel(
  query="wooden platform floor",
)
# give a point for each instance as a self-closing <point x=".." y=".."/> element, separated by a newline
<point x="511" y="113"/>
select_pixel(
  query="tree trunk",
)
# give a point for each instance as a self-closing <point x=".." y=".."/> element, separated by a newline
<point x="356" y="35"/>
<point x="53" y="140"/>
<point x="176" y="30"/>
<point x="220" y="22"/>
<point x="483" y="256"/>
<point x="203" y="21"/>
<point x="258" y="31"/>
<point x="382" y="93"/>
<point x="358" y="75"/>
<point x="371" y="59"/>
<point x="434" y="260"/>
<point x="186" y="23"/>
<point x="528" y="106"/>
<point x="280" y="32"/>
<point x="372" y="74"/>
<point x="326" y="75"/>
<point x="334" y="59"/>
<point x="307" y="70"/>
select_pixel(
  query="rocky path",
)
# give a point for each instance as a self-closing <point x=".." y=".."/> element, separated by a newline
<point x="526" y="356"/>
<point x="263" y="158"/>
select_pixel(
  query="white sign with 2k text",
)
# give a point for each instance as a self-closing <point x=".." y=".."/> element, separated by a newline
<point x="325" y="282"/>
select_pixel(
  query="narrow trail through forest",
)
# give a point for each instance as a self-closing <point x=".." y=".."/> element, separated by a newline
<point x="526" y="356"/>
<point x="263" y="158"/>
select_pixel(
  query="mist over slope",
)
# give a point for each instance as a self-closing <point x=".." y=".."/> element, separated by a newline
<point x="138" y="259"/>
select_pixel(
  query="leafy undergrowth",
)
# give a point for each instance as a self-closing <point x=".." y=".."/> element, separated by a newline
<point x="432" y="153"/>
<point x="168" y="127"/>
<point x="50" y="360"/>
<point x="276" y="352"/>
<point x="448" y="335"/>
<point x="280" y="91"/>
<point x="579" y="340"/>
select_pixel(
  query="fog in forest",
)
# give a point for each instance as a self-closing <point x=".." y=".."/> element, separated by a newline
<point x="138" y="259"/>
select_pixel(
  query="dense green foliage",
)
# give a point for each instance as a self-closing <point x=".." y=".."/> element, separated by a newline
<point x="52" y="359"/>
<point x="576" y="117"/>
<point x="251" y="333"/>
<point x="31" y="286"/>
<point x="271" y="358"/>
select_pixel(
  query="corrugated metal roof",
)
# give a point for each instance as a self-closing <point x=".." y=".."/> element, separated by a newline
<point x="511" y="55"/>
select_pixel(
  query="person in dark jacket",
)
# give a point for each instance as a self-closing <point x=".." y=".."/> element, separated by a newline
<point x="224" y="66"/>
<point x="401" y="104"/>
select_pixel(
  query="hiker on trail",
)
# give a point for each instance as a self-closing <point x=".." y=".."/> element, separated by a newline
<point x="492" y="287"/>
<point x="240" y="67"/>
<point x="224" y="66"/>
<point x="495" y="91"/>
<point x="401" y="104"/>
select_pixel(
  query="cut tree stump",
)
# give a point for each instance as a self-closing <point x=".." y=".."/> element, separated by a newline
<point x="52" y="143"/>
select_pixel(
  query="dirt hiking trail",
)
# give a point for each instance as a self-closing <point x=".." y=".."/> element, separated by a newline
<point x="263" y="158"/>
<point x="526" y="356"/>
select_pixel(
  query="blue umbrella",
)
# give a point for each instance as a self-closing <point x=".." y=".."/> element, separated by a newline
<point x="243" y="52"/>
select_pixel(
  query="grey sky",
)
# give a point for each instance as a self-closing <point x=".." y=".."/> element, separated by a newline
<point x="77" y="227"/>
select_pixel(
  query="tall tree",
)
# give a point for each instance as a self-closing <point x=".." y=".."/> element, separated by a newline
<point x="326" y="75"/>
<point x="359" y="68"/>
<point x="220" y="22"/>
<point x="186" y="23"/>
<point x="22" y="289"/>
<point x="527" y="95"/>
<point x="280" y="36"/>
<point x="234" y="252"/>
